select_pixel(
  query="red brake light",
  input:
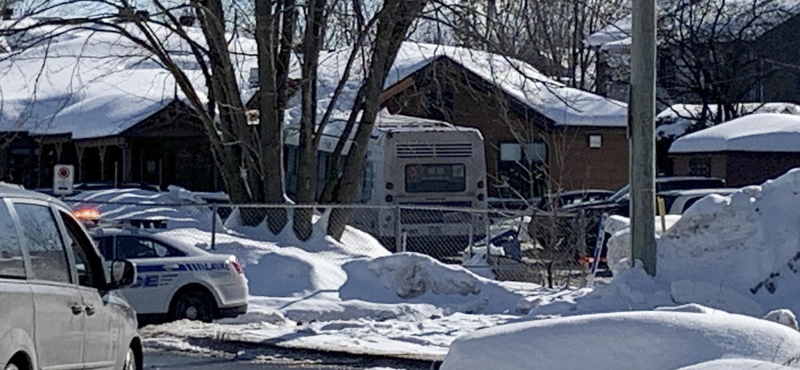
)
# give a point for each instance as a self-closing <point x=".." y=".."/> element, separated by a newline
<point x="389" y="198"/>
<point x="237" y="266"/>
<point x="480" y="184"/>
<point x="389" y="186"/>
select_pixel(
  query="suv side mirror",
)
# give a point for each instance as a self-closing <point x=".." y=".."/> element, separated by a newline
<point x="123" y="274"/>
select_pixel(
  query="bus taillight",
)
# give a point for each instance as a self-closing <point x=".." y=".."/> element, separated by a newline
<point x="481" y="197"/>
<point x="389" y="198"/>
<point x="480" y="184"/>
<point x="389" y="186"/>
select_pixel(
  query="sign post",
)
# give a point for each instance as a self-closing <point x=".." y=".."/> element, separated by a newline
<point x="63" y="179"/>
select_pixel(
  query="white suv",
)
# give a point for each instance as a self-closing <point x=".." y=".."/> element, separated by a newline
<point x="60" y="306"/>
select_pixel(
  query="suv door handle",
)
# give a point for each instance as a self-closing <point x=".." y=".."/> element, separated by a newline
<point x="77" y="309"/>
<point x="171" y="267"/>
<point x="90" y="310"/>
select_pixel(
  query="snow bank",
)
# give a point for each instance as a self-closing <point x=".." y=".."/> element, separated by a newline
<point x="619" y="243"/>
<point x="633" y="340"/>
<point x="178" y="207"/>
<point x="412" y="277"/>
<point x="738" y="253"/>
<point x="736" y="364"/>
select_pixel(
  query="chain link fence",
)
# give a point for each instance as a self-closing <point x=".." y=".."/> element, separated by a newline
<point x="547" y="248"/>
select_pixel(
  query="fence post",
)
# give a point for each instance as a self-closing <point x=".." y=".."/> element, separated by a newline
<point x="488" y="241"/>
<point x="398" y="237"/>
<point x="471" y="233"/>
<point x="214" y="227"/>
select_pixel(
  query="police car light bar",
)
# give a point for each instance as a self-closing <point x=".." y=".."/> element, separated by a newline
<point x="87" y="214"/>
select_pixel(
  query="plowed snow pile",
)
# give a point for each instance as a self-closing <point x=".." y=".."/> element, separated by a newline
<point x="655" y="340"/>
<point x="739" y="253"/>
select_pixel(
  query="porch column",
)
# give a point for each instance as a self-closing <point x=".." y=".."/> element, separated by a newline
<point x="127" y="161"/>
<point x="79" y="151"/>
<point x="102" y="150"/>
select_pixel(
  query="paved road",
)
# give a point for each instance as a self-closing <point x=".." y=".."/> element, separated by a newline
<point x="176" y="361"/>
<point x="168" y="360"/>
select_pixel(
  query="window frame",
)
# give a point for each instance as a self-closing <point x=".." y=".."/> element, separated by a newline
<point x="31" y="276"/>
<point x="151" y="240"/>
<point x="26" y="259"/>
<point x="99" y="269"/>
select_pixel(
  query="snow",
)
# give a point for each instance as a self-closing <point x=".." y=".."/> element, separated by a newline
<point x="676" y="120"/>
<point x="351" y="296"/>
<point x="88" y="84"/>
<point x="651" y="340"/>
<point x="563" y="105"/>
<point x="763" y="132"/>
<point x="736" y="253"/>
<point x="721" y="19"/>
<point x="177" y="207"/>
<point x="736" y="364"/>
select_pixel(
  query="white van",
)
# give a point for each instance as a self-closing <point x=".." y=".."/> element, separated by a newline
<point x="60" y="306"/>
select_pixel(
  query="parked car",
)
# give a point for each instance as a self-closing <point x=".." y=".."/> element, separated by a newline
<point x="61" y="308"/>
<point x="572" y="198"/>
<point x="677" y="202"/>
<point x="619" y="203"/>
<point x="176" y="280"/>
<point x="585" y="217"/>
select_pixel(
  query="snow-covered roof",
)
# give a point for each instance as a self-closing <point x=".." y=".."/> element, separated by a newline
<point x="88" y="84"/>
<point x="564" y="105"/>
<point x="674" y="121"/>
<point x="761" y="132"/>
<point x="720" y="19"/>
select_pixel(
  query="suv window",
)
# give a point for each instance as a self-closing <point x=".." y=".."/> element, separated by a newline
<point x="105" y="245"/>
<point x="83" y="253"/>
<point x="39" y="230"/>
<point x="129" y="247"/>
<point x="12" y="264"/>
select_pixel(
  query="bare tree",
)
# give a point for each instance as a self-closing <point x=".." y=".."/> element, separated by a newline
<point x="249" y="157"/>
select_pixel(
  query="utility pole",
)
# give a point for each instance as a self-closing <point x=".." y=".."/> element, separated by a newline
<point x="641" y="116"/>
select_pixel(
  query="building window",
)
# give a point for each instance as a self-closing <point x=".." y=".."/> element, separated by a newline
<point x="700" y="166"/>
<point x="519" y="169"/>
<point x="510" y="152"/>
<point x="595" y="141"/>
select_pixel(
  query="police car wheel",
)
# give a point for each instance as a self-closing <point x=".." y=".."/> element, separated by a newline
<point x="193" y="305"/>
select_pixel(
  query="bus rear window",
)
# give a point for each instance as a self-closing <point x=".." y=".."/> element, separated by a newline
<point x="435" y="178"/>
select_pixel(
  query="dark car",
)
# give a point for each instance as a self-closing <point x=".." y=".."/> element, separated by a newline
<point x="619" y="203"/>
<point x="584" y="218"/>
<point x="572" y="198"/>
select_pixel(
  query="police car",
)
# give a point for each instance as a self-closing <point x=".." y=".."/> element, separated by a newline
<point x="175" y="280"/>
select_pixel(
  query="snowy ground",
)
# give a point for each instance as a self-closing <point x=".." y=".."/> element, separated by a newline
<point x="351" y="296"/>
<point x="737" y="256"/>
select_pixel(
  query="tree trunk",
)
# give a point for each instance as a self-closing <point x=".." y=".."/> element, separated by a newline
<point x="394" y="22"/>
<point x="271" y="110"/>
<point x="307" y="174"/>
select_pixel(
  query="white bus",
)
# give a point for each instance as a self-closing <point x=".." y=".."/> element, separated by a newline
<point x="414" y="165"/>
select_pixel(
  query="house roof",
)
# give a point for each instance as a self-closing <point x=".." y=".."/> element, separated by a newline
<point x="674" y="121"/>
<point x="563" y="105"/>
<point x="724" y="19"/>
<point x="760" y="132"/>
<point x="86" y="84"/>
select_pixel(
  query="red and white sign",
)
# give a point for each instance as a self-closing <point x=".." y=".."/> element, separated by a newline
<point x="63" y="179"/>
